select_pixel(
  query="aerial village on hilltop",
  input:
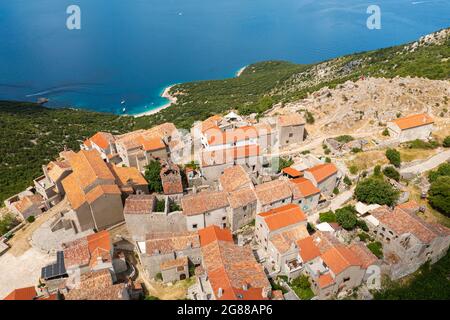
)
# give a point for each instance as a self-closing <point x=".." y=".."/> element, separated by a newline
<point x="237" y="210"/>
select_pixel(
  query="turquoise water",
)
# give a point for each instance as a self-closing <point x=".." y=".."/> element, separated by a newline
<point x="130" y="50"/>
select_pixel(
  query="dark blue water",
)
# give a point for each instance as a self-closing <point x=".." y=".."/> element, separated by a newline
<point x="130" y="50"/>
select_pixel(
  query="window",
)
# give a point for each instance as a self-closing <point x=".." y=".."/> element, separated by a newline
<point x="194" y="226"/>
<point x="245" y="209"/>
<point x="346" y="279"/>
<point x="180" y="268"/>
<point x="224" y="218"/>
<point x="291" y="135"/>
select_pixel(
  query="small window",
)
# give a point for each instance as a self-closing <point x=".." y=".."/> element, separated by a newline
<point x="245" y="209"/>
<point x="194" y="226"/>
<point x="346" y="279"/>
<point x="224" y="218"/>
<point x="291" y="135"/>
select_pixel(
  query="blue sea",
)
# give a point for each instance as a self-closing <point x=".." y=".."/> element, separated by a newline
<point x="131" y="50"/>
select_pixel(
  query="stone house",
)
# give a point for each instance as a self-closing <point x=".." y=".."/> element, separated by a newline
<point x="417" y="126"/>
<point x="205" y="209"/>
<point x="103" y="142"/>
<point x="175" y="269"/>
<point x="277" y="231"/>
<point x="160" y="250"/>
<point x="408" y="240"/>
<point x="242" y="208"/>
<point x="214" y="163"/>
<point x="171" y="179"/>
<point x="323" y="176"/>
<point x="129" y="180"/>
<point x="93" y="194"/>
<point x="305" y="194"/>
<point x="228" y="271"/>
<point x="332" y="266"/>
<point x="26" y="204"/>
<point x="141" y="218"/>
<point x="291" y="129"/>
<point x="234" y="178"/>
<point x="49" y="185"/>
<point x="272" y="194"/>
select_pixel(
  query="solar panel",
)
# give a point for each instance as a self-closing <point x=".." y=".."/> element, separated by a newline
<point x="55" y="270"/>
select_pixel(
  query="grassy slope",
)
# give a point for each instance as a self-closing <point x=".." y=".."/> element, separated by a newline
<point x="51" y="129"/>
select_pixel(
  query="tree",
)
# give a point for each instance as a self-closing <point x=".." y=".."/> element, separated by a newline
<point x="376" y="191"/>
<point x="385" y="132"/>
<point x="284" y="163"/>
<point x="328" y="216"/>
<point x="353" y="169"/>
<point x="346" y="217"/>
<point x="31" y="219"/>
<point x="439" y="195"/>
<point x="309" y="117"/>
<point x="377" y="171"/>
<point x="446" y="142"/>
<point x="7" y="222"/>
<point x="347" y="181"/>
<point x="442" y="170"/>
<point x="393" y="157"/>
<point x="390" y="172"/>
<point x="152" y="175"/>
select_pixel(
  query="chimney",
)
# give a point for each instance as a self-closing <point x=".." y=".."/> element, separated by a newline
<point x="219" y="293"/>
<point x="245" y="287"/>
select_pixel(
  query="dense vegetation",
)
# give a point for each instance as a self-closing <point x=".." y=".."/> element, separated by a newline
<point x="427" y="283"/>
<point x="375" y="190"/>
<point x="439" y="195"/>
<point x="394" y="157"/>
<point x="33" y="135"/>
<point x="7" y="222"/>
<point x="153" y="176"/>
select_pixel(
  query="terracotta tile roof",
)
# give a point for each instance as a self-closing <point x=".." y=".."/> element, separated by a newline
<point x="308" y="249"/>
<point x="283" y="216"/>
<point x="234" y="178"/>
<point x="263" y="129"/>
<point x="283" y="241"/>
<point x="325" y="241"/>
<point x="139" y="204"/>
<point x="305" y="187"/>
<point x="294" y="173"/>
<point x="102" y="190"/>
<point x="89" y="167"/>
<point x="73" y="191"/>
<point x="410" y="206"/>
<point x="339" y="258"/>
<point x="234" y="271"/>
<point x="216" y="136"/>
<point x="214" y="233"/>
<point x="28" y="293"/>
<point x="168" y="242"/>
<point x="401" y="221"/>
<point x="203" y="202"/>
<point x="127" y="176"/>
<point x="87" y="143"/>
<point x="413" y="121"/>
<point x="151" y="144"/>
<point x="171" y="179"/>
<point x="272" y="191"/>
<point x="241" y="197"/>
<point x="102" y="139"/>
<point x="293" y="119"/>
<point x="323" y="171"/>
<point x="228" y="155"/>
<point x="56" y="169"/>
<point x="88" y="250"/>
<point x="212" y="121"/>
<point x="277" y="295"/>
<point x="325" y="280"/>
<point x="27" y="202"/>
<point x="174" y="263"/>
<point x="366" y="257"/>
<point x="97" y="285"/>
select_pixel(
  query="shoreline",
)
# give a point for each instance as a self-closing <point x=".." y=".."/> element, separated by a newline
<point x="166" y="95"/>
<point x="239" y="72"/>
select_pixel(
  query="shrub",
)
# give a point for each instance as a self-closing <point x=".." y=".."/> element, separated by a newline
<point x="393" y="157"/>
<point x="386" y="132"/>
<point x="439" y="195"/>
<point x="362" y="224"/>
<point x="336" y="190"/>
<point x="31" y="219"/>
<point x="390" y="172"/>
<point x="284" y="163"/>
<point x="160" y="205"/>
<point x="442" y="170"/>
<point x="353" y="169"/>
<point x="7" y="222"/>
<point x="344" y="138"/>
<point x="446" y="142"/>
<point x="328" y="216"/>
<point x="302" y="287"/>
<point x="356" y="150"/>
<point x="327" y="160"/>
<point x="158" y="276"/>
<point x="420" y="144"/>
<point x="377" y="171"/>
<point x="152" y="175"/>
<point x="309" y="117"/>
<point x="347" y="181"/>
<point x="363" y="236"/>
<point x="174" y="207"/>
<point x="376" y="248"/>
<point x="372" y="190"/>
<point x="346" y="217"/>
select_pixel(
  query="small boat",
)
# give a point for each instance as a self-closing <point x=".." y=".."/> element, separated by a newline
<point x="124" y="109"/>
<point x="122" y="102"/>
<point x="180" y="13"/>
<point x="42" y="100"/>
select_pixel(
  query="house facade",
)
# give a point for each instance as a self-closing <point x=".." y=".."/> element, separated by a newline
<point x="323" y="176"/>
<point x="417" y="126"/>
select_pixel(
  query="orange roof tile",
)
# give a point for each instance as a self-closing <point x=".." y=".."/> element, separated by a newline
<point x="27" y="202"/>
<point x="366" y="257"/>
<point x="305" y="187"/>
<point x="173" y="263"/>
<point x="308" y="249"/>
<point x="413" y="121"/>
<point x="283" y="241"/>
<point x="234" y="178"/>
<point x="127" y="176"/>
<point x="168" y="242"/>
<point x="88" y="250"/>
<point x="241" y="197"/>
<point x="73" y="191"/>
<point x="151" y="144"/>
<point x="203" y="202"/>
<point x="228" y="155"/>
<point x="323" y="171"/>
<point x="214" y="233"/>
<point x="139" y="204"/>
<point x="28" y="293"/>
<point x="102" y="139"/>
<point x="294" y="173"/>
<point x="293" y="119"/>
<point x="283" y="216"/>
<point x="273" y="191"/>
<point x="102" y="190"/>
<point x="325" y="280"/>
<point x="410" y="206"/>
<point x="340" y="258"/>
